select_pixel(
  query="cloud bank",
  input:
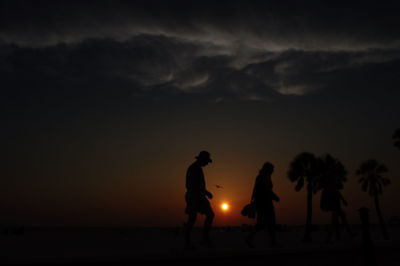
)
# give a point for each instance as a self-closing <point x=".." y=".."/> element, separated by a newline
<point x="224" y="50"/>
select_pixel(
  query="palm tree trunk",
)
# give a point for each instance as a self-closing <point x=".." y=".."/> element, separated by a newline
<point x="307" y="236"/>
<point x="380" y="217"/>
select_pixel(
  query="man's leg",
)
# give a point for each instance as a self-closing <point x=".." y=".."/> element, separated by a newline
<point x="207" y="225"/>
<point x="188" y="228"/>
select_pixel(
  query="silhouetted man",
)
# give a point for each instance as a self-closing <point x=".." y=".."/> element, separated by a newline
<point x="196" y="199"/>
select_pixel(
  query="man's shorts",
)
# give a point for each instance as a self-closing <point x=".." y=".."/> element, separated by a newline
<point x="196" y="203"/>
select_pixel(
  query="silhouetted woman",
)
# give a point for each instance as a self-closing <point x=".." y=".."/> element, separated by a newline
<point x="263" y="198"/>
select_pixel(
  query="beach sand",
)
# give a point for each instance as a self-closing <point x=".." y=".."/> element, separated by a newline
<point x="158" y="246"/>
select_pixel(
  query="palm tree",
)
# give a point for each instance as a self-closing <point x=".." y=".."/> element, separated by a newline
<point x="372" y="180"/>
<point x="331" y="171"/>
<point x="396" y="138"/>
<point x="304" y="170"/>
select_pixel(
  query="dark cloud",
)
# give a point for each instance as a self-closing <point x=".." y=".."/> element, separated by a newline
<point x="155" y="65"/>
<point x="272" y="25"/>
<point x="61" y="51"/>
<point x="300" y="72"/>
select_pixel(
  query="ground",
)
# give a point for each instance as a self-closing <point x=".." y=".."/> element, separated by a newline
<point x="157" y="246"/>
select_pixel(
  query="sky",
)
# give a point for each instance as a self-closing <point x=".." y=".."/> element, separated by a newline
<point x="104" y="104"/>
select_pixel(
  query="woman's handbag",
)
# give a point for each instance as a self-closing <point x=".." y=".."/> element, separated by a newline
<point x="249" y="210"/>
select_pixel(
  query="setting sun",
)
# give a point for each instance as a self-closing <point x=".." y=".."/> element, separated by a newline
<point x="225" y="206"/>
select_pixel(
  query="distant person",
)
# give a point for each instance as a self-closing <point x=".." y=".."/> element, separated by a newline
<point x="331" y="201"/>
<point x="263" y="198"/>
<point x="196" y="199"/>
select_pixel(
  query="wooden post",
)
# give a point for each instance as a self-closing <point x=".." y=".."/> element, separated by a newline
<point x="368" y="257"/>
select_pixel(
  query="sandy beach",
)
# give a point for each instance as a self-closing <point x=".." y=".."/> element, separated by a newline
<point x="156" y="246"/>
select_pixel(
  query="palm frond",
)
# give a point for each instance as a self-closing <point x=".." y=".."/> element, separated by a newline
<point x="332" y="173"/>
<point x="302" y="166"/>
<point x="386" y="181"/>
<point x="396" y="134"/>
<point x="396" y="138"/>
<point x="371" y="177"/>
<point x="300" y="184"/>
<point x="381" y="168"/>
<point x="397" y="144"/>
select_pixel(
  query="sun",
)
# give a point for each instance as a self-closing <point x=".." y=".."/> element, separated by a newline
<point x="225" y="206"/>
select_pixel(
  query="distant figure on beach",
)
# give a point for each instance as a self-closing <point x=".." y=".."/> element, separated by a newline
<point x="331" y="201"/>
<point x="263" y="198"/>
<point x="196" y="199"/>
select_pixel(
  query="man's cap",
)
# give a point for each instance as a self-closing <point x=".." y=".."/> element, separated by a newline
<point x="204" y="155"/>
